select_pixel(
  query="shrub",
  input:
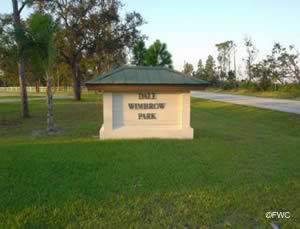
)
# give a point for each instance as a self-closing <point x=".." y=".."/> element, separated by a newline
<point x="227" y="85"/>
<point x="292" y="88"/>
<point x="249" y="85"/>
<point x="264" y="84"/>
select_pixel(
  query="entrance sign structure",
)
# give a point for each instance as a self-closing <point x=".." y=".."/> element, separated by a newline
<point x="146" y="102"/>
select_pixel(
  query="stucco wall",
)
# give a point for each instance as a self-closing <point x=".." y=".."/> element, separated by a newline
<point x="146" y="115"/>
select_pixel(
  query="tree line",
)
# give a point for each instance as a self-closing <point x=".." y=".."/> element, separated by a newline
<point x="66" y="42"/>
<point x="280" y="67"/>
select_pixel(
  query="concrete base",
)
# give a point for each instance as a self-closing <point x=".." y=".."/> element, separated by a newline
<point x="149" y="132"/>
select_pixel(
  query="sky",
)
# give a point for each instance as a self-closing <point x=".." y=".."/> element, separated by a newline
<point x="191" y="28"/>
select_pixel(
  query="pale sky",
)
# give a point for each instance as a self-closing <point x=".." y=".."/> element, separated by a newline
<point x="191" y="28"/>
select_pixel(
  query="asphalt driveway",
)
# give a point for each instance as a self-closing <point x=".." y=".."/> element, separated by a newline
<point x="284" y="105"/>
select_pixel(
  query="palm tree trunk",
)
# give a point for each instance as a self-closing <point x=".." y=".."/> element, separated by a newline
<point x="50" y="115"/>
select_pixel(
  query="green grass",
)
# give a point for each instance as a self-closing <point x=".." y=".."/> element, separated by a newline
<point x="267" y="94"/>
<point x="242" y="163"/>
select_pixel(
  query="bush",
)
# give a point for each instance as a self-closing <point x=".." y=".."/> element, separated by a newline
<point x="232" y="84"/>
<point x="292" y="88"/>
<point x="264" y="84"/>
<point x="249" y="85"/>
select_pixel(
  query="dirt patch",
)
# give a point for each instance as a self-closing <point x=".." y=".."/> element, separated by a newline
<point x="44" y="132"/>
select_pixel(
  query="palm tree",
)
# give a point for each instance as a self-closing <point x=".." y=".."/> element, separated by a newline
<point x="41" y="32"/>
<point x="158" y="55"/>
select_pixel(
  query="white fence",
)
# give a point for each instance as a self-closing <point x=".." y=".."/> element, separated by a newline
<point x="42" y="89"/>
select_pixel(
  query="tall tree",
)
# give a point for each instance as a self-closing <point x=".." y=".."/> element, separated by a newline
<point x="92" y="27"/>
<point x="252" y="52"/>
<point x="224" y="57"/>
<point x="41" y="31"/>
<point x="210" y="70"/>
<point x="158" y="55"/>
<point x="21" y="41"/>
<point x="263" y="73"/>
<point x="285" y="62"/>
<point x="200" y="72"/>
<point x="188" y="69"/>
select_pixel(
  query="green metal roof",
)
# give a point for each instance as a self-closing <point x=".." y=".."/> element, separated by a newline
<point x="139" y="75"/>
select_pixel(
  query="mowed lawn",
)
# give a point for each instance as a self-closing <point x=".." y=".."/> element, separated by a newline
<point x="243" y="163"/>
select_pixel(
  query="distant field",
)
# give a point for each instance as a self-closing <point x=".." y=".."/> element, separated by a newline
<point x="242" y="163"/>
<point x="267" y="94"/>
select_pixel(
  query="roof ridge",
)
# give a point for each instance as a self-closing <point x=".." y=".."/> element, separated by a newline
<point x="112" y="72"/>
<point x="143" y="67"/>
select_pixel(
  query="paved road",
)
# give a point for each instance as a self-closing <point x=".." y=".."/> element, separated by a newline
<point x="14" y="100"/>
<point x="273" y="104"/>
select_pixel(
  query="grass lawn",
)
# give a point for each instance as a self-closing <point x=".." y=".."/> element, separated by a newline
<point x="242" y="163"/>
<point x="267" y="94"/>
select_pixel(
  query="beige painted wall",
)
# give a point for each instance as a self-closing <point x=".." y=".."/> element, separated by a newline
<point x="173" y="121"/>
